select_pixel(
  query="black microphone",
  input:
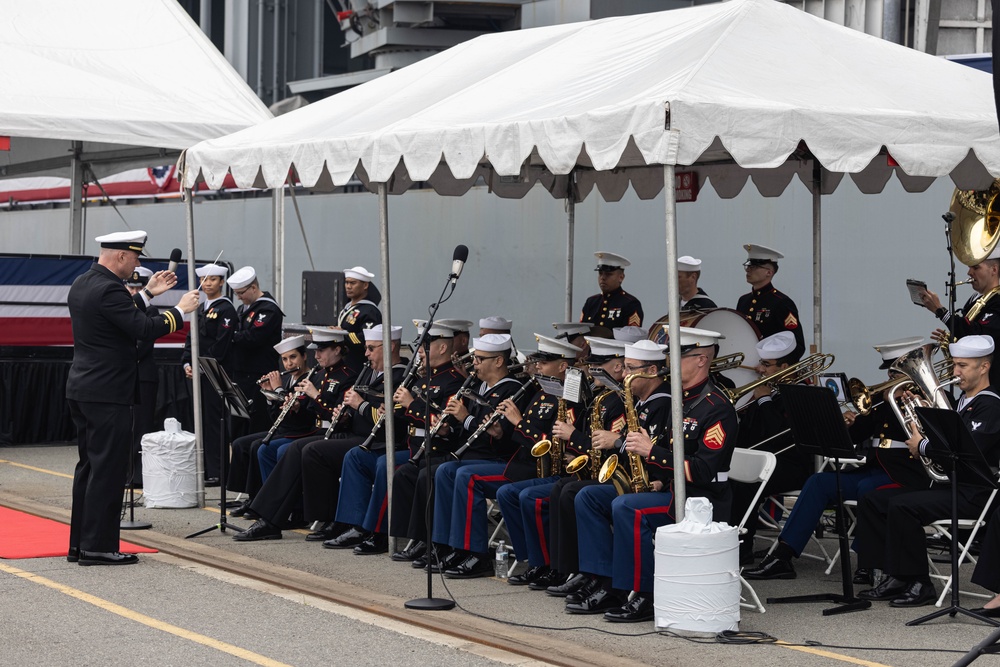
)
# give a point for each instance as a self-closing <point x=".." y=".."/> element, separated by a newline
<point x="458" y="262"/>
<point x="948" y="217"/>
<point x="175" y="258"/>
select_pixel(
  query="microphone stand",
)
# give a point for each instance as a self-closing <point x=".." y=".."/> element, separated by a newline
<point x="431" y="603"/>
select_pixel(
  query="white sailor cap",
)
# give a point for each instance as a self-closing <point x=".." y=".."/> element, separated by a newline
<point x="971" y="347"/>
<point x="759" y="254"/>
<point x="894" y="349"/>
<point x="776" y="345"/>
<point x="211" y="270"/>
<point x="437" y="329"/>
<point x="290" y="343"/>
<point x="139" y="277"/>
<point x="491" y="343"/>
<point x="326" y="338"/>
<point x="604" y="349"/>
<point x="646" y="350"/>
<point x="134" y="241"/>
<point x="375" y="333"/>
<point x="554" y="348"/>
<point x="242" y="277"/>
<point x="571" y="329"/>
<point x="692" y="338"/>
<point x="359" y="273"/>
<point x="688" y="263"/>
<point x="630" y="334"/>
<point x="459" y="326"/>
<point x="496" y="322"/>
<point x="609" y="261"/>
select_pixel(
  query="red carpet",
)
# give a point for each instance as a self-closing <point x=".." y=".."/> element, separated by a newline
<point x="28" y="536"/>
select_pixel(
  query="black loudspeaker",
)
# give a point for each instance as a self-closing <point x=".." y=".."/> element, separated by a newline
<point x="322" y="296"/>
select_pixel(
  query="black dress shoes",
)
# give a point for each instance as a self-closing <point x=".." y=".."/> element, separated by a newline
<point x="863" y="577"/>
<point x="411" y="553"/>
<point x="528" y="575"/>
<point x="585" y="591"/>
<point x="988" y="613"/>
<point x="436" y="556"/>
<point x="106" y="558"/>
<point x="550" y="578"/>
<point x="602" y="600"/>
<point x="241" y="510"/>
<point x="376" y="543"/>
<point x="348" y="539"/>
<point x="636" y="610"/>
<point x="889" y="589"/>
<point x="571" y="585"/>
<point x="474" y="566"/>
<point x="770" y="568"/>
<point x="454" y="558"/>
<point x="73" y="554"/>
<point x="327" y="531"/>
<point x="260" y="530"/>
<point x="209" y="482"/>
<point x="917" y="594"/>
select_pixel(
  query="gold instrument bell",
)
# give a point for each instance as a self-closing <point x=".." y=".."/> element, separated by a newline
<point x="976" y="227"/>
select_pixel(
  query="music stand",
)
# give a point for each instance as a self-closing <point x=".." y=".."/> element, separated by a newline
<point x="947" y="432"/>
<point x="238" y="406"/>
<point x="818" y="427"/>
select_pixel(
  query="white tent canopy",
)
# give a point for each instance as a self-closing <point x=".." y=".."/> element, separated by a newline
<point x="116" y="75"/>
<point x="745" y="82"/>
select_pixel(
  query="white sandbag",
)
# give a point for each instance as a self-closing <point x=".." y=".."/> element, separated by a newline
<point x="696" y="573"/>
<point x="169" y="468"/>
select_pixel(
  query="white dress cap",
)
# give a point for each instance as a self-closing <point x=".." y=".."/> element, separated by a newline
<point x="762" y="253"/>
<point x="459" y="326"/>
<point x="211" y="270"/>
<point x="996" y="252"/>
<point x="894" y="349"/>
<point x="557" y="347"/>
<point x="571" y="329"/>
<point x="134" y="241"/>
<point x="359" y="273"/>
<point x="375" y="333"/>
<point x="646" y="350"/>
<point x="242" y="277"/>
<point x="325" y="337"/>
<point x="971" y="347"/>
<point x="289" y="344"/>
<point x="496" y="322"/>
<point x="609" y="261"/>
<point x="776" y="345"/>
<point x="144" y="272"/>
<point x="630" y="334"/>
<point x="139" y="277"/>
<point x="691" y="338"/>
<point x="688" y="263"/>
<point x="605" y="347"/>
<point x="437" y="330"/>
<point x="491" y="343"/>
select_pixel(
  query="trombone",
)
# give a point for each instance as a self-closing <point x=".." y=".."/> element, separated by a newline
<point x="798" y="372"/>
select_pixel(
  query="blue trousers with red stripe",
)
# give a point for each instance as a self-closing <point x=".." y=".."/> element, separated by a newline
<point x="819" y="492"/>
<point x="525" y="509"/>
<point x="593" y="525"/>
<point x="362" y="500"/>
<point x="460" y="492"/>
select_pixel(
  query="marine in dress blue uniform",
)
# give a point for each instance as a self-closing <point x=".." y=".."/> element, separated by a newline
<point x="613" y="307"/>
<point x="765" y="307"/>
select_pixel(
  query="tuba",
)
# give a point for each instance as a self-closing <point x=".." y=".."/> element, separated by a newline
<point x="975" y="232"/>
<point x="552" y="447"/>
<point x="638" y="480"/>
<point x="594" y="457"/>
<point x="917" y="366"/>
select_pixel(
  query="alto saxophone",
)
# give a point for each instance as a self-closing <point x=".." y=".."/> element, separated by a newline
<point x="593" y="458"/>
<point x="637" y="481"/>
<point x="553" y="447"/>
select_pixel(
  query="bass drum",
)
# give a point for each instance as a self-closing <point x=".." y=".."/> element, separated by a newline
<point x="740" y="336"/>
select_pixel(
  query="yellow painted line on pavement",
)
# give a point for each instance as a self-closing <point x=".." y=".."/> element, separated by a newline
<point x="830" y="654"/>
<point x="131" y="615"/>
<point x="47" y="472"/>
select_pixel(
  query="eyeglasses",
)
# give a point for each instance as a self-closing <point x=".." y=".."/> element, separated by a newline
<point x="481" y="359"/>
<point x="241" y="292"/>
<point x="635" y="369"/>
<point x="373" y="347"/>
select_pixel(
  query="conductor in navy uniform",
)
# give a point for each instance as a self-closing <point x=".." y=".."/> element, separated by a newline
<point x="142" y="422"/>
<point x="613" y="307"/>
<point x="768" y="309"/>
<point x="103" y="385"/>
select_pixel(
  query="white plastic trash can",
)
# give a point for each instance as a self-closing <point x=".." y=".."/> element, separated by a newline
<point x="696" y="573"/>
<point x="169" y="468"/>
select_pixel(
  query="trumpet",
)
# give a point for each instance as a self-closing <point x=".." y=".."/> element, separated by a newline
<point x="798" y="372"/>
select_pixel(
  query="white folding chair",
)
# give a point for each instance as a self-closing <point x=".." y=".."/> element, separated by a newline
<point x="751" y="467"/>
<point x="944" y="527"/>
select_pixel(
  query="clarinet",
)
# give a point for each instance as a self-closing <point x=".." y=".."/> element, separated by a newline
<point x="288" y="406"/>
<point x="493" y="419"/>
<point x="415" y="459"/>
<point x="335" y="422"/>
<point x="411" y="373"/>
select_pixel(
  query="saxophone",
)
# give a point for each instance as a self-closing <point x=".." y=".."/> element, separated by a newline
<point x="553" y="447"/>
<point x="594" y="457"/>
<point x="638" y="479"/>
